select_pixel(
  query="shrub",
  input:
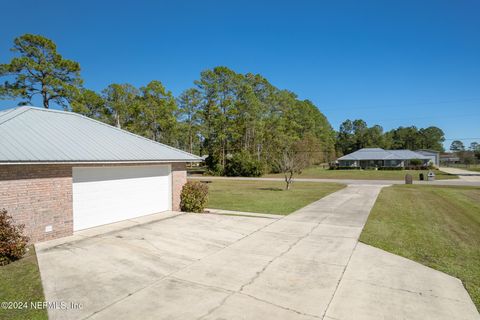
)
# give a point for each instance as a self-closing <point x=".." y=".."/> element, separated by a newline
<point x="243" y="165"/>
<point x="213" y="167"/>
<point x="13" y="243"/>
<point x="194" y="196"/>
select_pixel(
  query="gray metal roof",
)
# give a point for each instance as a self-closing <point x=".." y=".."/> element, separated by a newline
<point x="381" y="154"/>
<point x="428" y="152"/>
<point x="29" y="134"/>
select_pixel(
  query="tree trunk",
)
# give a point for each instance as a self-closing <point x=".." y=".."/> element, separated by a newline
<point x="288" y="179"/>
<point x="190" y="139"/>
<point x="45" y="97"/>
<point x="117" y="119"/>
<point x="45" y="103"/>
<point x="223" y="155"/>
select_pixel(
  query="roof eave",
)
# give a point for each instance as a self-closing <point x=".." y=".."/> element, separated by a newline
<point x="98" y="162"/>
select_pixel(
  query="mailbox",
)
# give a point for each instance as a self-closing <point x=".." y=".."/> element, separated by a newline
<point x="431" y="176"/>
<point x="408" y="179"/>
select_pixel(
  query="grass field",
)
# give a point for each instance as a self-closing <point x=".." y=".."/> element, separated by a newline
<point x="266" y="196"/>
<point x="321" y="173"/>
<point x="435" y="225"/>
<point x="20" y="281"/>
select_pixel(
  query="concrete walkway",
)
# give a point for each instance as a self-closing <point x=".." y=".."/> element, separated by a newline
<point x="447" y="182"/>
<point x="307" y="265"/>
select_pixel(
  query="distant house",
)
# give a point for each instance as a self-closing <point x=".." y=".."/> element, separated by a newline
<point x="378" y="158"/>
<point x="449" y="158"/>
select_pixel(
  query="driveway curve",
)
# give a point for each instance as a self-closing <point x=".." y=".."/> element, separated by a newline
<point x="307" y="265"/>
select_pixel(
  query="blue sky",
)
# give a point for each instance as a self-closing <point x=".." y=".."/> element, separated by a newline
<point x="391" y="63"/>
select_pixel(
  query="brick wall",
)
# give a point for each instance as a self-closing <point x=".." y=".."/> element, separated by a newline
<point x="179" y="178"/>
<point x="38" y="196"/>
<point x="41" y="195"/>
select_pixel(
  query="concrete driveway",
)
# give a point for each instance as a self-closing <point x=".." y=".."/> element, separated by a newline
<point x="463" y="175"/>
<point x="307" y="265"/>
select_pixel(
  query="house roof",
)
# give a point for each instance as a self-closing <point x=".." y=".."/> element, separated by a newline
<point x="428" y="152"/>
<point x="29" y="134"/>
<point x="381" y="154"/>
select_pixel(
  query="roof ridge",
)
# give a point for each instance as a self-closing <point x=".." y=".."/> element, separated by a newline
<point x="19" y="110"/>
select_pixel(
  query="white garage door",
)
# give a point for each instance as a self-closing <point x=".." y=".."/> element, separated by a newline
<point x="104" y="195"/>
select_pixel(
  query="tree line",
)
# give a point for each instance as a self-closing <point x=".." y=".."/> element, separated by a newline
<point x="225" y="115"/>
<point x="468" y="156"/>
<point x="233" y="118"/>
<point x="356" y="134"/>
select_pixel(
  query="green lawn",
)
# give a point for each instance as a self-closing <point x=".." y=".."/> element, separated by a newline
<point x="20" y="281"/>
<point x="435" y="225"/>
<point x="266" y="196"/>
<point x="321" y="173"/>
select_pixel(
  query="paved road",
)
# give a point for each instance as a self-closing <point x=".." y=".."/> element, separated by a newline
<point x="307" y="265"/>
<point x="449" y="182"/>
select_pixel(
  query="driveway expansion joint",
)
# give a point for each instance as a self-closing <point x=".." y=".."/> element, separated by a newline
<point x="340" y="280"/>
<point x="258" y="273"/>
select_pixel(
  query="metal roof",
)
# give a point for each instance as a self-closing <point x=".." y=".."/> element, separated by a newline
<point x="428" y="152"/>
<point x="381" y="154"/>
<point x="29" y="134"/>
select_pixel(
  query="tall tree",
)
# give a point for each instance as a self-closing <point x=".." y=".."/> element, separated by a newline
<point x="155" y="113"/>
<point x="189" y="104"/>
<point x="219" y="89"/>
<point x="90" y="104"/>
<point x="39" y="70"/>
<point x="374" y="137"/>
<point x="474" y="146"/>
<point x="355" y="135"/>
<point x="246" y="114"/>
<point x="431" y="138"/>
<point x="345" y="143"/>
<point x="405" y="138"/>
<point x="457" y="146"/>
<point x="121" y="101"/>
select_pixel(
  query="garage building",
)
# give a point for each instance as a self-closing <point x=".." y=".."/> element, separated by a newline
<point x="61" y="172"/>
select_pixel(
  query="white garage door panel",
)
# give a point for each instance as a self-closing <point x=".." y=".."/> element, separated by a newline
<point x="104" y="195"/>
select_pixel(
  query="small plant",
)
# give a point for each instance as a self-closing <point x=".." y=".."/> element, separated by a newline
<point x="13" y="244"/>
<point x="194" y="197"/>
